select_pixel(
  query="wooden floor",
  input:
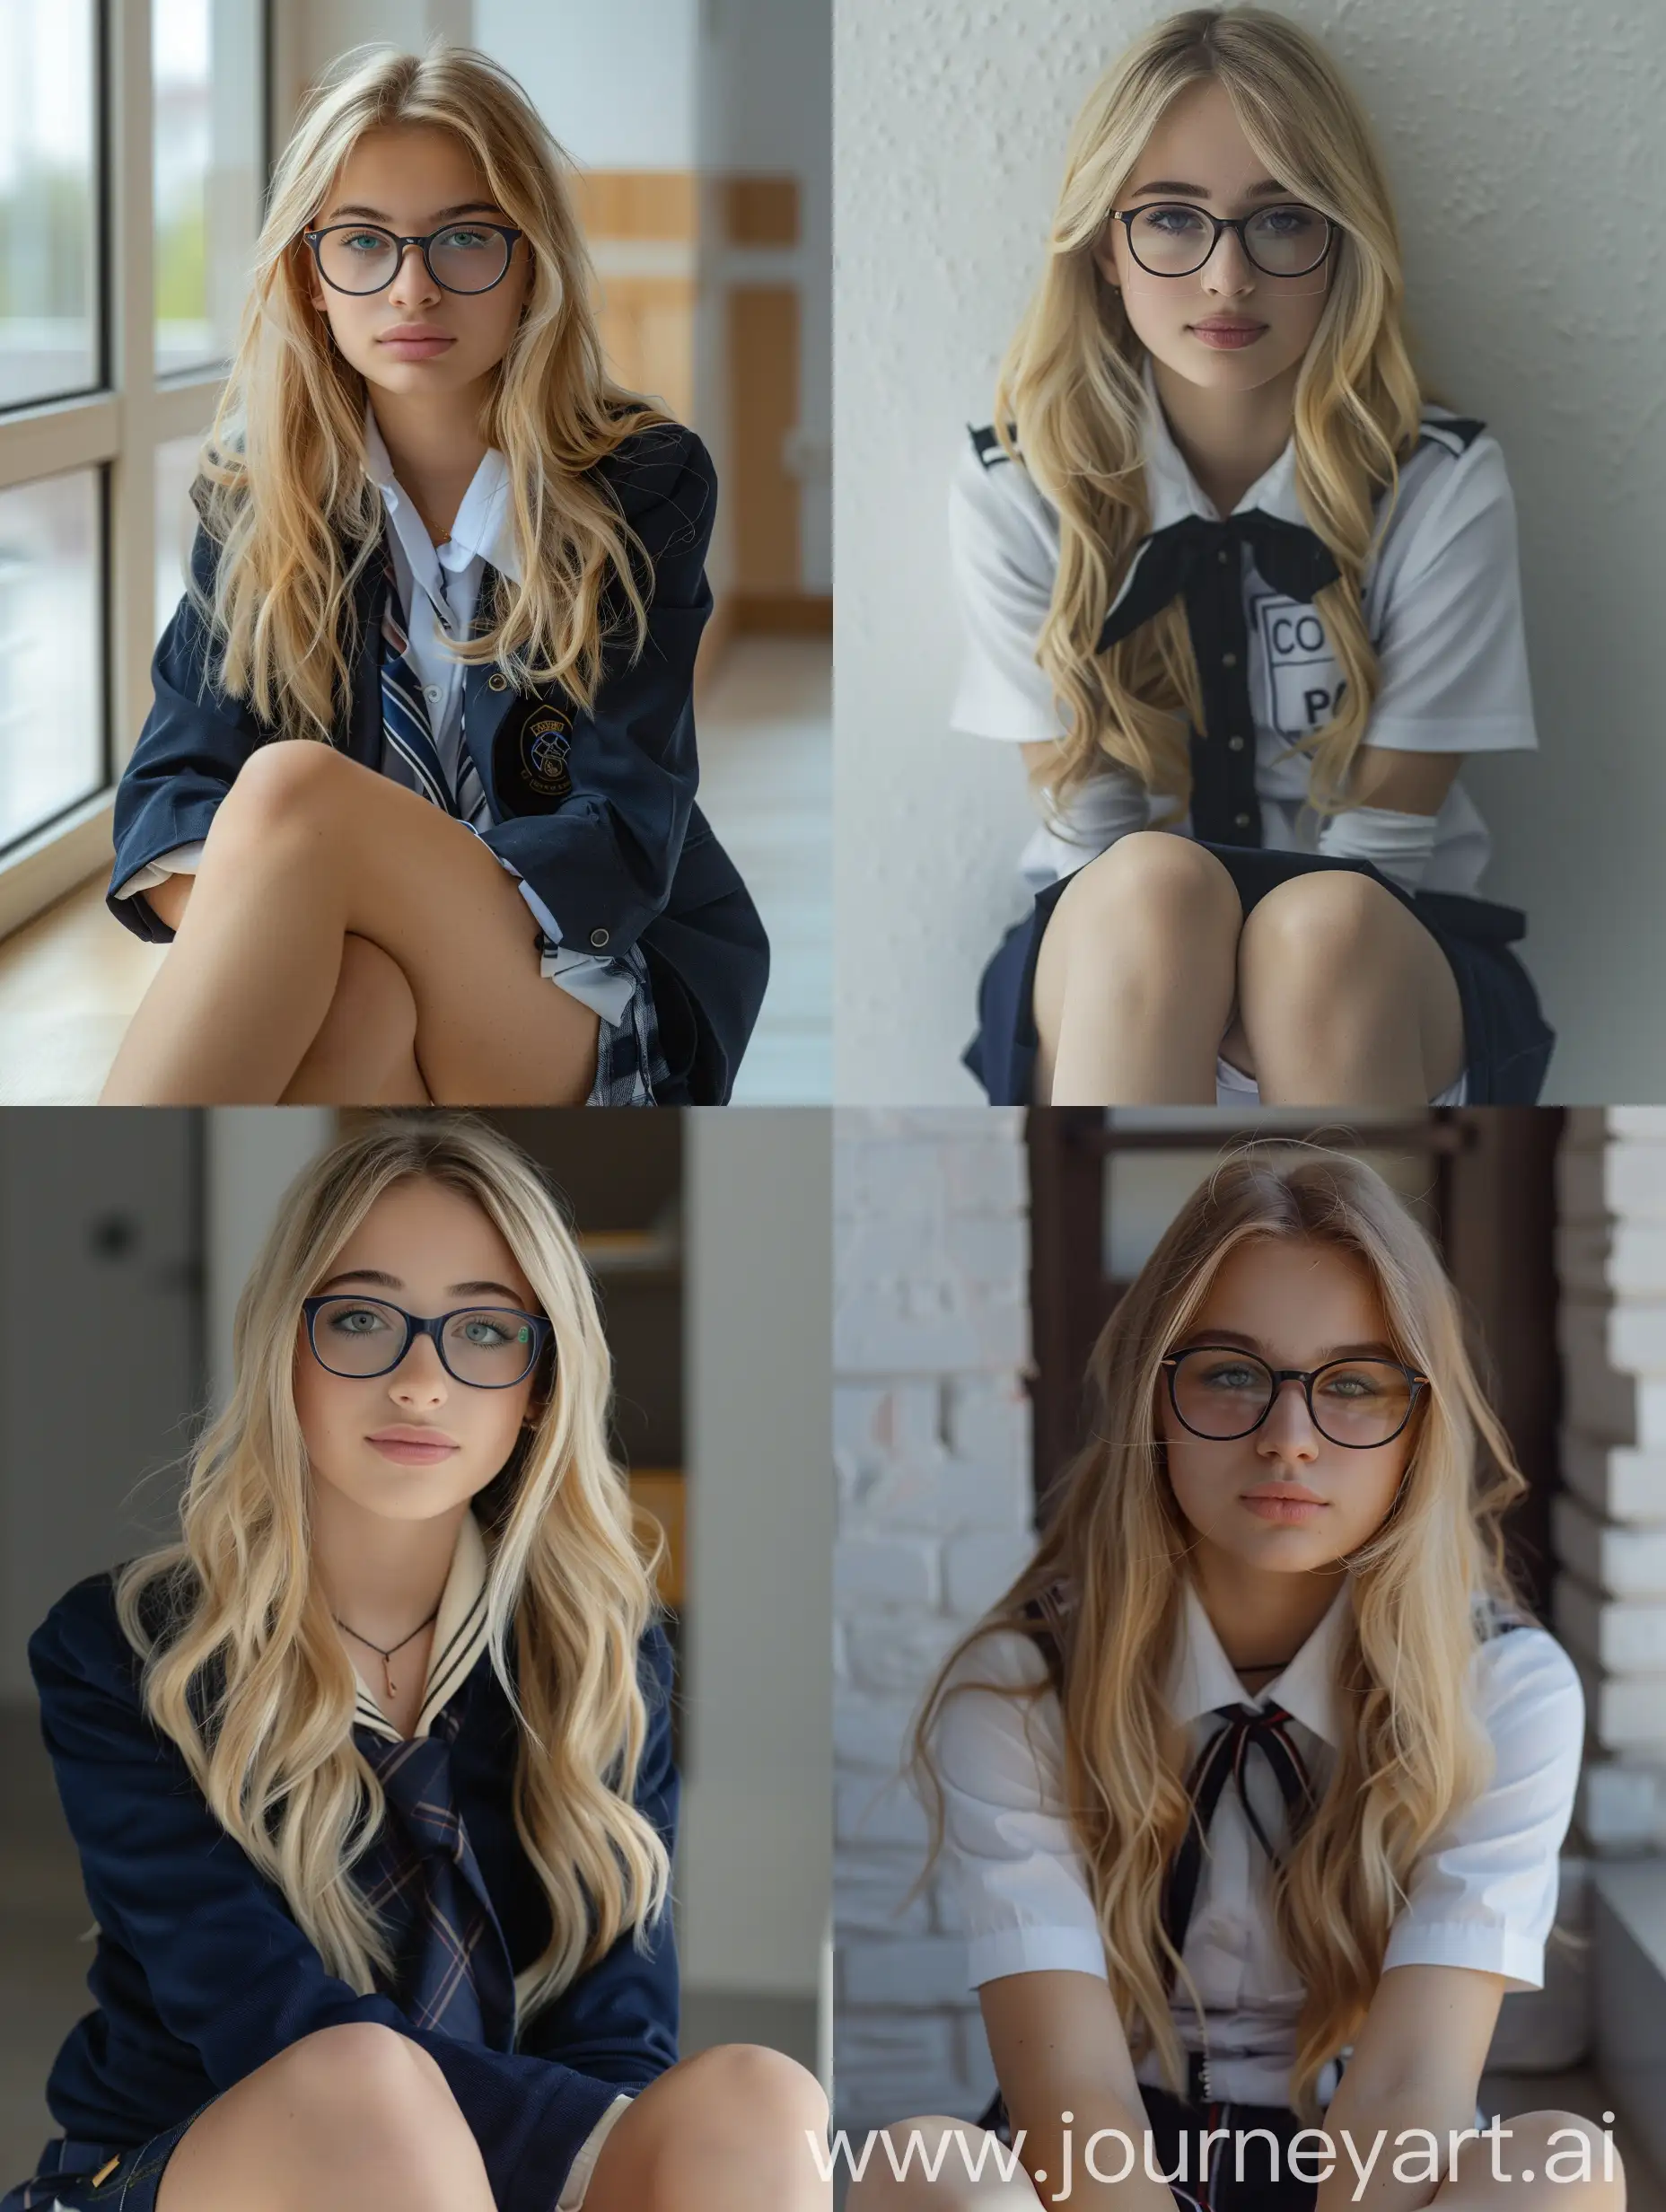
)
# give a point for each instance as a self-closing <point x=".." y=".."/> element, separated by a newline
<point x="70" y="981"/>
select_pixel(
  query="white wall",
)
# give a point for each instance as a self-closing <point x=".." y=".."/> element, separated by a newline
<point x="1497" y="121"/>
<point x="616" y="83"/>
<point x="755" y="1856"/>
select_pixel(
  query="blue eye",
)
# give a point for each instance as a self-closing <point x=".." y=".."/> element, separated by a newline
<point x="1171" y="222"/>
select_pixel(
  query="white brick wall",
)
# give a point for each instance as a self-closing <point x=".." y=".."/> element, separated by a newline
<point x="1609" y="1598"/>
<point x="931" y="1440"/>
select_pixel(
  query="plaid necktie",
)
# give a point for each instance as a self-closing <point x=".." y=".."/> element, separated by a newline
<point x="408" y="753"/>
<point x="453" y="1970"/>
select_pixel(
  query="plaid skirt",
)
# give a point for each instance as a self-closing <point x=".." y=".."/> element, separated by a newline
<point x="1507" y="1041"/>
<point x="74" y="2176"/>
<point x="630" y="1063"/>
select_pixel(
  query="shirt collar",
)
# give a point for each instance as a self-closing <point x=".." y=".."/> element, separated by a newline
<point x="1201" y="1677"/>
<point x="460" y="1637"/>
<point x="484" y="529"/>
<point x="1175" y="493"/>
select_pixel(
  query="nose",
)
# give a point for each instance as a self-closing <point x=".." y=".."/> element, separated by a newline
<point x="420" y="1377"/>
<point x="1288" y="1432"/>
<point x="1229" y="268"/>
<point x="404" y="286"/>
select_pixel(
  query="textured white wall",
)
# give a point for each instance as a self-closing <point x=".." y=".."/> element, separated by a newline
<point x="1508" y="125"/>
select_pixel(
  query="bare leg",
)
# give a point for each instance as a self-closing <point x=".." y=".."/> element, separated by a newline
<point x="365" y="1053"/>
<point x="1344" y="997"/>
<point x="1529" y="2140"/>
<point x="1134" y="977"/>
<point x="351" y="2116"/>
<point x="727" y="2131"/>
<point x="305" y="847"/>
<point x="955" y="2148"/>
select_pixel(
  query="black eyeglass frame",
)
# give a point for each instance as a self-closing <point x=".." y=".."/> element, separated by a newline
<point x="543" y="1332"/>
<point x="507" y="231"/>
<point x="1240" y="223"/>
<point x="1306" y="1377"/>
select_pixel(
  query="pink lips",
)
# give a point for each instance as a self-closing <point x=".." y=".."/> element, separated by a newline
<point x="1286" y="1501"/>
<point x="1228" y="337"/>
<point x="410" y="1452"/>
<point x="415" y="348"/>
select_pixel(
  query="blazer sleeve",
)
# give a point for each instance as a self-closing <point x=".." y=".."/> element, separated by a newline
<point x="603" y="861"/>
<point x="229" y="1969"/>
<point x="194" y="741"/>
<point x="618" y="2023"/>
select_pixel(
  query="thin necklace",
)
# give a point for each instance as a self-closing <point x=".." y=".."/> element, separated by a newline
<point x="393" y="1687"/>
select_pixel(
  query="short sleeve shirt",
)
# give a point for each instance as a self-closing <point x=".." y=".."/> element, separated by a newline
<point x="1443" y="606"/>
<point x="1483" y="1896"/>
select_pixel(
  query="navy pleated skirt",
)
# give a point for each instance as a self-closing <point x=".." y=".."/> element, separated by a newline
<point x="1507" y="1041"/>
<point x="65" y="2176"/>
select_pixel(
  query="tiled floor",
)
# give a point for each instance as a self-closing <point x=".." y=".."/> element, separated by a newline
<point x="69" y="982"/>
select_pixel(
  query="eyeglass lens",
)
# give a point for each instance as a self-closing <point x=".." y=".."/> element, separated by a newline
<point x="360" y="1337"/>
<point x="1172" y="239"/>
<point x="464" y="258"/>
<point x="1223" y="1394"/>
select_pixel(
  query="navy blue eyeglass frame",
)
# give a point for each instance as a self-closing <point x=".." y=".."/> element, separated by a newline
<point x="1125" y="216"/>
<point x="417" y="1326"/>
<point x="1306" y="1377"/>
<point x="504" y="230"/>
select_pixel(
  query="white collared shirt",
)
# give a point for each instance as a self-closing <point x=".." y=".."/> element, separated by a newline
<point x="438" y="588"/>
<point x="460" y="1637"/>
<point x="1483" y="1896"/>
<point x="1441" y="602"/>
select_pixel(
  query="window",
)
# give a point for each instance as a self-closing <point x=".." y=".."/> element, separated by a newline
<point x="127" y="233"/>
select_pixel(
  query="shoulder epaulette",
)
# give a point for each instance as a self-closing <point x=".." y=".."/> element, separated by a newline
<point x="1457" y="436"/>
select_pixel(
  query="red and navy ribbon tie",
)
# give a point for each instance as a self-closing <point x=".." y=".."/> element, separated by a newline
<point x="1224" y="1758"/>
<point x="1199" y="562"/>
<point x="452" y="1971"/>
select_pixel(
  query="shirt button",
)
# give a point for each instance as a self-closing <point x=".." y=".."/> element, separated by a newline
<point x="1234" y="744"/>
<point x="598" y="938"/>
<point x="1229" y="659"/>
<point x="1223" y="556"/>
<point x="430" y="691"/>
<point x="497" y="683"/>
<point x="1242" y="820"/>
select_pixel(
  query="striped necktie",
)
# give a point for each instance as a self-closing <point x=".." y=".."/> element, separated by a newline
<point x="420" y="1876"/>
<point x="408" y="753"/>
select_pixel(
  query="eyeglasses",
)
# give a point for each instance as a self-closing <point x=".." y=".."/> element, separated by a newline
<point x="489" y="1347"/>
<point x="1170" y="238"/>
<point x="1220" y="1393"/>
<point x="362" y="258"/>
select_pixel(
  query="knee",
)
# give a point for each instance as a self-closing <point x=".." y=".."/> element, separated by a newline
<point x="744" y="2109"/>
<point x="1317" y="929"/>
<point x="280" y="782"/>
<point x="367" y="2078"/>
<point x="1153" y="879"/>
<point x="911" y="2144"/>
<point x="1568" y="2147"/>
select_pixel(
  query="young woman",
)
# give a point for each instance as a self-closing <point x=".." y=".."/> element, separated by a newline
<point x="370" y="1772"/>
<point x="441" y="543"/>
<point x="1261" y="1762"/>
<point x="1226" y="572"/>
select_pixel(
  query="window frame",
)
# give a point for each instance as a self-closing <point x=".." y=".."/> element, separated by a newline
<point x="115" y="428"/>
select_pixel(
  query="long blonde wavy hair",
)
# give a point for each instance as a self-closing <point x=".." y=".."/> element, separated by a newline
<point x="282" y="487"/>
<point x="1108" y="1581"/>
<point x="1071" y="399"/>
<point x="245" y="1671"/>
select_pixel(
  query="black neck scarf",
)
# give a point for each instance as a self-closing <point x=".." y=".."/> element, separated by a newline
<point x="1200" y="563"/>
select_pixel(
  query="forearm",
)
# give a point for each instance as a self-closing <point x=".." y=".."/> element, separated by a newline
<point x="1075" y="2131"/>
<point x="1366" y="2131"/>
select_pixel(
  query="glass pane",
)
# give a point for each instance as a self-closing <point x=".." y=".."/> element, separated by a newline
<point x="207" y="78"/>
<point x="51" y="650"/>
<point x="48" y="202"/>
<point x="176" y="522"/>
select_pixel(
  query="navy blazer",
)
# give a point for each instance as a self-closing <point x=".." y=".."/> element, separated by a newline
<point x="624" y="857"/>
<point x="202" y="1974"/>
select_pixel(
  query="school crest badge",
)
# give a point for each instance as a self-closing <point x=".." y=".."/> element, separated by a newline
<point x="532" y="759"/>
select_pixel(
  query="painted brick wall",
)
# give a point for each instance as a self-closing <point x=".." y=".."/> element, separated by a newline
<point x="931" y="1440"/>
<point x="1611" y="1525"/>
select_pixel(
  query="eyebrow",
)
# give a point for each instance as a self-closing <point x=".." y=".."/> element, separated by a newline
<point x="392" y="1281"/>
<point x="378" y="215"/>
<point x="1267" y="190"/>
<point x="1201" y="1337"/>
